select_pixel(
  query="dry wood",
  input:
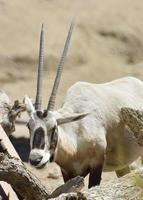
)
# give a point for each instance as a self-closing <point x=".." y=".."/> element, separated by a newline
<point x="129" y="187"/>
<point x="13" y="112"/>
<point x="73" y="185"/>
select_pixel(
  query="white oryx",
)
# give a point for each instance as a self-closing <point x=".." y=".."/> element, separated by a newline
<point x="85" y="135"/>
<point x="9" y="112"/>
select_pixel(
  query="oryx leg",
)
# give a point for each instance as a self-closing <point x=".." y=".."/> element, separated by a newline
<point x="96" y="173"/>
<point x="123" y="171"/>
<point x="95" y="176"/>
<point x="66" y="176"/>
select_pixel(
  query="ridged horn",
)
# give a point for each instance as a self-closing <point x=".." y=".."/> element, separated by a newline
<point x="52" y="98"/>
<point x="38" y="100"/>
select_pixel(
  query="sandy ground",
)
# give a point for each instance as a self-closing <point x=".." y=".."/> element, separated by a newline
<point x="107" y="43"/>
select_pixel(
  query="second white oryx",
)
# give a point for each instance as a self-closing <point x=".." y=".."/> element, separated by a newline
<point x="85" y="135"/>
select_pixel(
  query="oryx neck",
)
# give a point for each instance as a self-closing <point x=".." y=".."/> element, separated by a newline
<point x="66" y="147"/>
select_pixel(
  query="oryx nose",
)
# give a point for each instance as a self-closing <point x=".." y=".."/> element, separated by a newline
<point x="35" y="162"/>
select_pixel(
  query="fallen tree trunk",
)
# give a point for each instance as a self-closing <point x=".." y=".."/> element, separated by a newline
<point x="16" y="174"/>
<point x="73" y="185"/>
<point x="129" y="187"/>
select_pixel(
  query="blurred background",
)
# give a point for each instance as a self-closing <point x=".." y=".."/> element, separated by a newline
<point x="107" y="43"/>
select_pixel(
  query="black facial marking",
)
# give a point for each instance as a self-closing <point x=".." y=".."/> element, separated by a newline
<point x="54" y="138"/>
<point x="45" y="114"/>
<point x="53" y="133"/>
<point x="38" y="140"/>
<point x="53" y="143"/>
<point x="39" y="114"/>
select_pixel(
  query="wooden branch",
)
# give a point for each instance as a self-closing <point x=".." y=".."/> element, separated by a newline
<point x="73" y="185"/>
<point x="8" y="120"/>
<point x="24" y="183"/>
<point x="129" y="187"/>
<point x="5" y="186"/>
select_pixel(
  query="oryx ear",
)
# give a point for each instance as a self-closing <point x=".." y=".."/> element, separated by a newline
<point x="71" y="118"/>
<point x="29" y="105"/>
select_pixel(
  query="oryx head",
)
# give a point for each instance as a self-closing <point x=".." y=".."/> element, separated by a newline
<point x="43" y="126"/>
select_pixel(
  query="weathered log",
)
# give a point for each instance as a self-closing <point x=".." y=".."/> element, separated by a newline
<point x="129" y="187"/>
<point x="16" y="174"/>
<point x="9" y="119"/>
<point x="73" y="185"/>
<point x="5" y="188"/>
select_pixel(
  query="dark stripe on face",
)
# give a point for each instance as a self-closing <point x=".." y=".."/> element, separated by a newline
<point x="38" y="140"/>
<point x="53" y="144"/>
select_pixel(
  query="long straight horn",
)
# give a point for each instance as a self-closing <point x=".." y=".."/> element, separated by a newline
<point x="38" y="100"/>
<point x="52" y="99"/>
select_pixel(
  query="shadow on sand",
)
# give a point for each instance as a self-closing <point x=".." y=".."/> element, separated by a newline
<point x="22" y="146"/>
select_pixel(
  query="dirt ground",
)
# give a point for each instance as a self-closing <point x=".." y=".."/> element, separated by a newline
<point x="107" y="43"/>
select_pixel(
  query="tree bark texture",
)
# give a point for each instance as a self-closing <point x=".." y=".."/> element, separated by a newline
<point x="129" y="187"/>
<point x="21" y="179"/>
